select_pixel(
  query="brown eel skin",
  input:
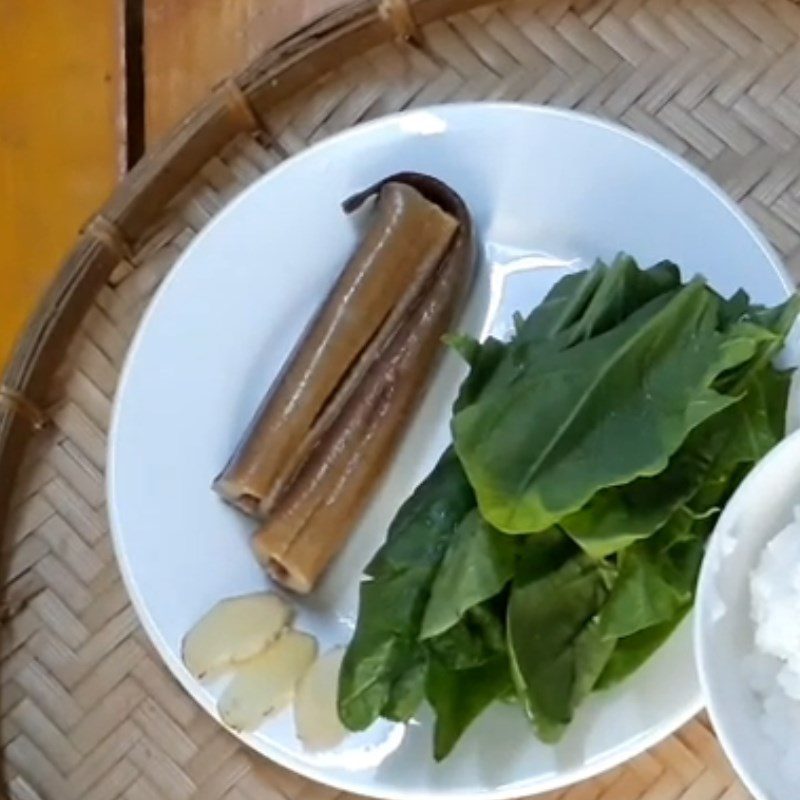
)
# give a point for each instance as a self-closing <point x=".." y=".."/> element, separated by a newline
<point x="321" y="441"/>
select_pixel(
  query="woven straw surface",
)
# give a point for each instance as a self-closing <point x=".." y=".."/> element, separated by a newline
<point x="88" y="711"/>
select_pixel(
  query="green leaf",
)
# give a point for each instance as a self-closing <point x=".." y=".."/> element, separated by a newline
<point x="557" y="653"/>
<point x="756" y="424"/>
<point x="650" y="589"/>
<point x="543" y="553"/>
<point x="657" y="577"/>
<point x="615" y="518"/>
<point x="562" y="307"/>
<point x="475" y="639"/>
<point x="734" y="308"/>
<point x="459" y="696"/>
<point x="483" y="358"/>
<point x="421" y="530"/>
<point x="609" y="431"/>
<point x="771" y="325"/>
<point x="393" y="597"/>
<point x="478" y="564"/>
<point x="699" y="471"/>
<point x="408" y="691"/>
<point x="539" y="449"/>
<point x="378" y="653"/>
<point x="779" y="321"/>
<point x="381" y="672"/>
<point x="582" y="305"/>
<point x="633" y="651"/>
<point x="623" y="289"/>
<point x="592" y="301"/>
<point x="552" y="324"/>
<point x="468" y="347"/>
<point x="738" y="437"/>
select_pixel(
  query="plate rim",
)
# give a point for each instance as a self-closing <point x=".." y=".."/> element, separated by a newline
<point x="271" y="750"/>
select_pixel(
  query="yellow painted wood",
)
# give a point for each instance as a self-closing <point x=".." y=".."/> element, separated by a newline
<point x="60" y="94"/>
<point x="190" y="45"/>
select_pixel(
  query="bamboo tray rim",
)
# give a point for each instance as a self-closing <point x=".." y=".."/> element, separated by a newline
<point x="237" y="106"/>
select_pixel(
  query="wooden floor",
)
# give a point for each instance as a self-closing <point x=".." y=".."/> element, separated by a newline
<point x="68" y="119"/>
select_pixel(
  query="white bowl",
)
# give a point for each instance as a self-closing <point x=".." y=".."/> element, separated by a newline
<point x="724" y="631"/>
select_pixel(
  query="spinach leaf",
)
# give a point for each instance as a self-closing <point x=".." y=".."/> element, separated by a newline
<point x="475" y="639"/>
<point x="724" y="448"/>
<point x="395" y="593"/>
<point x="741" y="436"/>
<point x="651" y="588"/>
<point x="378" y="654"/>
<point x="582" y="305"/>
<point x="623" y="288"/>
<point x="742" y="433"/>
<point x="732" y="309"/>
<point x="408" y="691"/>
<point x="459" y="696"/>
<point x="468" y="347"/>
<point x="478" y="564"/>
<point x="615" y="518"/>
<point x="756" y="424"/>
<point x="563" y="305"/>
<point x="543" y="446"/>
<point x="592" y="301"/>
<point x="778" y="321"/>
<point x="608" y="432"/>
<point x="633" y="651"/>
<point x="551" y="325"/>
<point x="483" y="358"/>
<point x="543" y="553"/>
<point x="657" y="577"/>
<point x="384" y="667"/>
<point x="420" y="531"/>
<point x="556" y="650"/>
<point x="769" y="325"/>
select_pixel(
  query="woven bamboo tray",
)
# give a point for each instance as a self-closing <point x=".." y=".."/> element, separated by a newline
<point x="87" y="711"/>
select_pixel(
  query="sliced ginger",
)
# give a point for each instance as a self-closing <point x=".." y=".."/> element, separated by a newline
<point x="265" y="683"/>
<point x="233" y="631"/>
<point x="315" y="714"/>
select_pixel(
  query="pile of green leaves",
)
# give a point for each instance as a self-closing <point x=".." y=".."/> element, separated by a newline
<point x="556" y="544"/>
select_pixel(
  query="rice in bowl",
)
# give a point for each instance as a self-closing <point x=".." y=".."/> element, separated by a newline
<point x="773" y="669"/>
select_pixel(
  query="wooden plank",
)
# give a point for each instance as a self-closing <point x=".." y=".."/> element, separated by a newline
<point x="60" y="93"/>
<point x="192" y="46"/>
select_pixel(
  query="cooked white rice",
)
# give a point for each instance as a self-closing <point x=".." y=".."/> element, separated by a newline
<point x="774" y="669"/>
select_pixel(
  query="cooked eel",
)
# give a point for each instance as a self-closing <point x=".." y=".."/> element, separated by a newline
<point x="327" y="430"/>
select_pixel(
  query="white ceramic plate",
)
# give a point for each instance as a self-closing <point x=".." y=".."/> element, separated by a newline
<point x="566" y="187"/>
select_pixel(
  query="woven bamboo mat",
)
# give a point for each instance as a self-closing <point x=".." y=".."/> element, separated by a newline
<point x="87" y="710"/>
